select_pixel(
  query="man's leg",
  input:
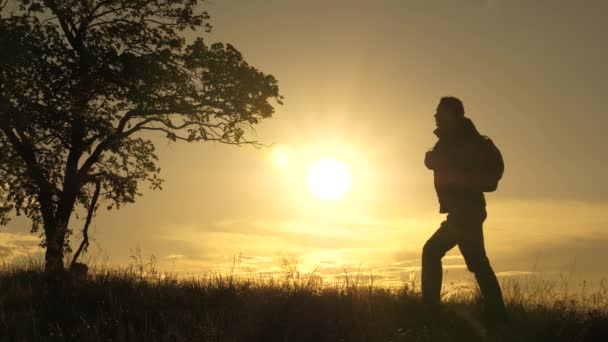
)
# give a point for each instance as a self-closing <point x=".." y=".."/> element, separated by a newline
<point x="434" y="249"/>
<point x="471" y="245"/>
<point x="492" y="295"/>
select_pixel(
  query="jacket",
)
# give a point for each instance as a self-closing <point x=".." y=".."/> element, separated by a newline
<point x="456" y="163"/>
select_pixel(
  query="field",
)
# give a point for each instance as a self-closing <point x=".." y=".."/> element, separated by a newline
<point x="134" y="304"/>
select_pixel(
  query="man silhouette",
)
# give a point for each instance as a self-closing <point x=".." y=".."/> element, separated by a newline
<point x="455" y="163"/>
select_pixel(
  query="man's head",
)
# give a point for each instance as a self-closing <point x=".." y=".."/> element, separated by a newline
<point x="450" y="112"/>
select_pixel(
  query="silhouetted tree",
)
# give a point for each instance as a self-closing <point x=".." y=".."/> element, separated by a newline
<point x="80" y="80"/>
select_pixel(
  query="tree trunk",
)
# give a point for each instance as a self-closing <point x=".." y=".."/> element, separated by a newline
<point x="56" y="230"/>
<point x="54" y="258"/>
<point x="55" y="240"/>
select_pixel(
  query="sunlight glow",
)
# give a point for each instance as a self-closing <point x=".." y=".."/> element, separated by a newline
<point x="329" y="179"/>
<point x="280" y="157"/>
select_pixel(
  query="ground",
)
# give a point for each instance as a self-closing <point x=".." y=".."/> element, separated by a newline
<point x="128" y="305"/>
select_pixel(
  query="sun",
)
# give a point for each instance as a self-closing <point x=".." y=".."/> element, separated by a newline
<point x="329" y="179"/>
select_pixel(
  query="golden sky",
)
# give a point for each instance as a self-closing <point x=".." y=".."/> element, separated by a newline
<point x="361" y="81"/>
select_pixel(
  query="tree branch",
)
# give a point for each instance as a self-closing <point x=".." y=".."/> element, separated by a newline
<point x="94" y="157"/>
<point x="84" y="244"/>
<point x="26" y="152"/>
<point x="3" y="4"/>
<point x="65" y="25"/>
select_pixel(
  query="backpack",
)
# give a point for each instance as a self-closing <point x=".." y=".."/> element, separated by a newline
<point x="492" y="165"/>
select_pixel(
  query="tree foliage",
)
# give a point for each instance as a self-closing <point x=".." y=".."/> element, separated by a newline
<point x="81" y="80"/>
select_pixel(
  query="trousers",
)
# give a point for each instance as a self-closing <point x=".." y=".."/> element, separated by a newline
<point x="463" y="228"/>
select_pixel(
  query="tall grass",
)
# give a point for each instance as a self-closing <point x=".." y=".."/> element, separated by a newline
<point x="140" y="303"/>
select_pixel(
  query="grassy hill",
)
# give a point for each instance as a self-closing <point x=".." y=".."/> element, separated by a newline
<point x="126" y="305"/>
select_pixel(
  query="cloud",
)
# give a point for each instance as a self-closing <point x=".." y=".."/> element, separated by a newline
<point x="13" y="246"/>
<point x="514" y="273"/>
<point x="517" y="232"/>
<point x="457" y="267"/>
<point x="412" y="268"/>
<point x="330" y="248"/>
<point x="572" y="255"/>
<point x="255" y="258"/>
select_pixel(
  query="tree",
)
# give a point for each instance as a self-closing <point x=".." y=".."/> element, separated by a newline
<point x="83" y="84"/>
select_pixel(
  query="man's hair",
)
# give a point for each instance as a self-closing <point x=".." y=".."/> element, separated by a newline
<point x="454" y="103"/>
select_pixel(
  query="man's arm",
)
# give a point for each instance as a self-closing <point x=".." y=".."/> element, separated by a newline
<point x="435" y="158"/>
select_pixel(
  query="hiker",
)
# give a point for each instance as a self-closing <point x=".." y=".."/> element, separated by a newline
<point x="465" y="164"/>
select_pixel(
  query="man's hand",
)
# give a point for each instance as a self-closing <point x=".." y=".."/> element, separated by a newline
<point x="429" y="160"/>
